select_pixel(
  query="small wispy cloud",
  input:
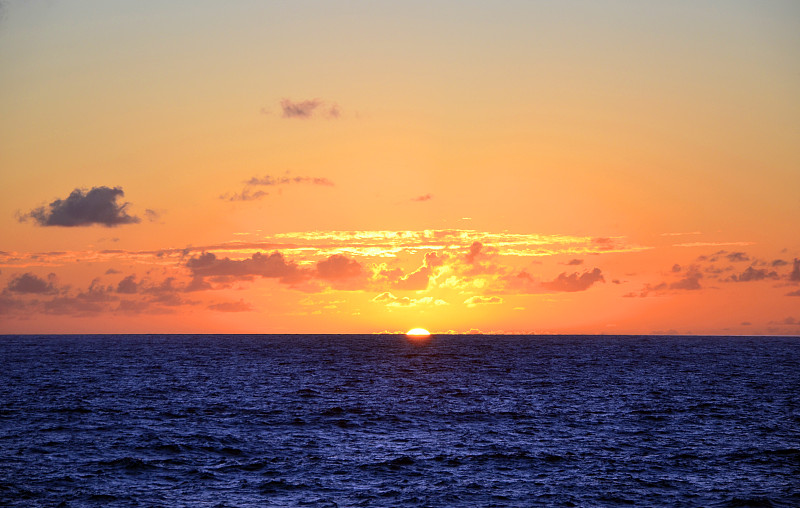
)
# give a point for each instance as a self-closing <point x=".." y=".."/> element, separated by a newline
<point x="713" y="244"/>
<point x="474" y="301"/>
<point x="391" y="300"/>
<point x="250" y="193"/>
<point x="310" y="108"/>
<point x="682" y="234"/>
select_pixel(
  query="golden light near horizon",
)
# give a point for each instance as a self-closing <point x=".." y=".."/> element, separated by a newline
<point x="418" y="333"/>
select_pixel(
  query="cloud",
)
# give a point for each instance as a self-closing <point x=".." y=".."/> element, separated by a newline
<point x="197" y="284"/>
<point x="29" y="283"/>
<point x="337" y="270"/>
<point x="338" y="266"/>
<point x="84" y="208"/>
<point x="682" y="234"/>
<point x="425" y="197"/>
<point x="795" y="275"/>
<point x="522" y="282"/>
<point x="152" y="215"/>
<point x="391" y="300"/>
<point x="97" y="292"/>
<point x="309" y="108"/>
<point x="73" y="306"/>
<point x="415" y="281"/>
<point x="779" y="262"/>
<point x="574" y="281"/>
<point x="10" y="305"/>
<point x="474" y="301"/>
<point x="794" y="293"/>
<point x="128" y="285"/>
<point x="574" y="262"/>
<point x="271" y="266"/>
<point x="250" y="194"/>
<point x="690" y="282"/>
<point x="269" y="180"/>
<point x="787" y="321"/>
<point x="474" y="252"/>
<point x="341" y="272"/>
<point x="738" y="257"/>
<point x="419" y="279"/>
<point x="752" y="274"/>
<point x="301" y="109"/>
<point x="240" y="306"/>
<point x="245" y="195"/>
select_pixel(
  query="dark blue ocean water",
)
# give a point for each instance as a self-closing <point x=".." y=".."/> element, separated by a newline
<point x="385" y="421"/>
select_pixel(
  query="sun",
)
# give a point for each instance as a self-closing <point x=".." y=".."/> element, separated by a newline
<point x="418" y="333"/>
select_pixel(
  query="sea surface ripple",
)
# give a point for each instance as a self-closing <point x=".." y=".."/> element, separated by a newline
<point x="382" y="420"/>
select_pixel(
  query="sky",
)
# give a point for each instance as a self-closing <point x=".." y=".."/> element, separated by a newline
<point x="597" y="167"/>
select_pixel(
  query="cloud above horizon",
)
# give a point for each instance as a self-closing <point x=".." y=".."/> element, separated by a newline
<point x="248" y="193"/>
<point x="474" y="301"/>
<point x="258" y="265"/>
<point x="30" y="283"/>
<point x="574" y="281"/>
<point x="84" y="208"/>
<point x="309" y="108"/>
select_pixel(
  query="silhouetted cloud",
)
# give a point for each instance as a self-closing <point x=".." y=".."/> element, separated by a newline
<point x="197" y="284"/>
<point x="787" y="321"/>
<point x="779" y="262"/>
<point x="68" y="305"/>
<point x="419" y="279"/>
<point x="752" y="274"/>
<point x="574" y="262"/>
<point x="270" y="180"/>
<point x="690" y="282"/>
<point x="574" y="281"/>
<point x="738" y="257"/>
<point x="474" y="301"/>
<point x="300" y="109"/>
<point x="425" y="197"/>
<point x="128" y="285"/>
<point x="794" y="293"/>
<point x="240" y="306"/>
<point x="522" y="282"/>
<point x="338" y="266"/>
<point x="30" y="283"/>
<point x="795" y="275"/>
<point x="84" y="208"/>
<point x="152" y="215"/>
<point x="245" y="195"/>
<point x="474" y="252"/>
<point x="309" y="108"/>
<point x="248" y="193"/>
<point x="415" y="281"/>
<point x="9" y="305"/>
<point x="391" y="300"/>
<point x="272" y="266"/>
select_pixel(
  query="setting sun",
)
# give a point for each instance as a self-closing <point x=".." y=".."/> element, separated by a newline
<point x="418" y="332"/>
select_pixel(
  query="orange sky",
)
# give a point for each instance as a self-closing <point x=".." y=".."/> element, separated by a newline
<point x="313" y="167"/>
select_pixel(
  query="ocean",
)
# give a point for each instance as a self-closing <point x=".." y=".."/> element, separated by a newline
<point x="383" y="420"/>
